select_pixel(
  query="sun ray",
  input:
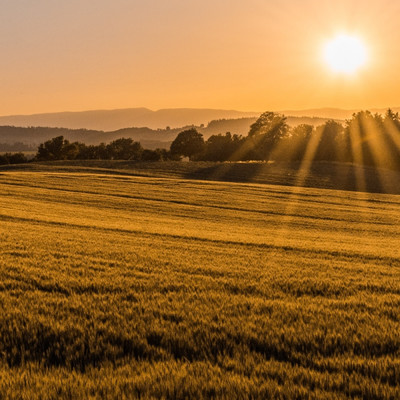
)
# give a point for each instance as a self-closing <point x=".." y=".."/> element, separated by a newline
<point x="298" y="187"/>
<point x="378" y="149"/>
<point x="393" y="132"/>
<point x="357" y="156"/>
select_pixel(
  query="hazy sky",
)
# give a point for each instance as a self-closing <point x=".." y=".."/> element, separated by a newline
<point x="59" y="55"/>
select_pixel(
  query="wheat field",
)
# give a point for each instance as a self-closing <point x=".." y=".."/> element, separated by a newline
<point x="118" y="286"/>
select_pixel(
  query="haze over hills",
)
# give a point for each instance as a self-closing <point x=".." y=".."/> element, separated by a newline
<point x="111" y="120"/>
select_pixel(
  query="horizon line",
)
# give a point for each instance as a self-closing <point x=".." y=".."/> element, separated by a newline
<point x="327" y="108"/>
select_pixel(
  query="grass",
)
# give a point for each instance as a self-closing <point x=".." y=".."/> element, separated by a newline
<point x="122" y="286"/>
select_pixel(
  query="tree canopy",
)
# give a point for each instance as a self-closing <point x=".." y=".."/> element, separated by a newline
<point x="266" y="132"/>
<point x="188" y="143"/>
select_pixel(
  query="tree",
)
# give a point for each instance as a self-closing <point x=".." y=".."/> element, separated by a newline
<point x="392" y="134"/>
<point x="222" y="147"/>
<point x="59" y="148"/>
<point x="154" y="155"/>
<point x="13" y="158"/>
<point x="331" y="145"/>
<point x="392" y="118"/>
<point x="364" y="133"/>
<point x="52" y="149"/>
<point x="125" y="149"/>
<point x="188" y="143"/>
<point x="375" y="140"/>
<point x="269" y="123"/>
<point x="17" y="158"/>
<point x="266" y="132"/>
<point x="294" y="145"/>
<point x="71" y="151"/>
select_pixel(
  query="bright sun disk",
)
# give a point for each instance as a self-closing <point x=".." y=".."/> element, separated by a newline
<point x="345" y="54"/>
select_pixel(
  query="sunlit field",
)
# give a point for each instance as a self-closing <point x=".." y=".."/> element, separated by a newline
<point x="122" y="286"/>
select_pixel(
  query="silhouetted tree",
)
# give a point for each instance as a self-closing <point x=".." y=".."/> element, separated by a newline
<point x="362" y="130"/>
<point x="222" y="148"/>
<point x="51" y="149"/>
<point x="188" y="143"/>
<point x="391" y="123"/>
<point x="12" y="158"/>
<point x="330" y="141"/>
<point x="269" y="123"/>
<point x="155" y="155"/>
<point x="102" y="152"/>
<point x="265" y="134"/>
<point x="293" y="145"/>
<point x="71" y="151"/>
<point x="392" y="117"/>
<point x="375" y="140"/>
<point x="124" y="149"/>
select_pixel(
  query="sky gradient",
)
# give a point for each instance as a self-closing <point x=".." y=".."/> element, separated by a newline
<point x="254" y="55"/>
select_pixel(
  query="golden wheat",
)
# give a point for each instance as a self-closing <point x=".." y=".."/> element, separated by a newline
<point x="121" y="287"/>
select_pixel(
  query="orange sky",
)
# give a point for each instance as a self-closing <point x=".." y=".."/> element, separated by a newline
<point x="246" y="55"/>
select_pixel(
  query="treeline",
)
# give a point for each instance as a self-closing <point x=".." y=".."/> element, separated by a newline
<point x="366" y="138"/>
<point x="17" y="139"/>
<point x="59" y="148"/>
<point x="13" y="158"/>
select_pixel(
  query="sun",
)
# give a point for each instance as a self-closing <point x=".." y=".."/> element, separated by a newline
<point x="345" y="54"/>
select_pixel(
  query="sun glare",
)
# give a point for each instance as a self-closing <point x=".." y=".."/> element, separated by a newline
<point x="345" y="54"/>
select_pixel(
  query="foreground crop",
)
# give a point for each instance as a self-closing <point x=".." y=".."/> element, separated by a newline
<point x="115" y="286"/>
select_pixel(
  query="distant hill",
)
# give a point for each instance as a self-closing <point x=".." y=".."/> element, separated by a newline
<point x="111" y="120"/>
